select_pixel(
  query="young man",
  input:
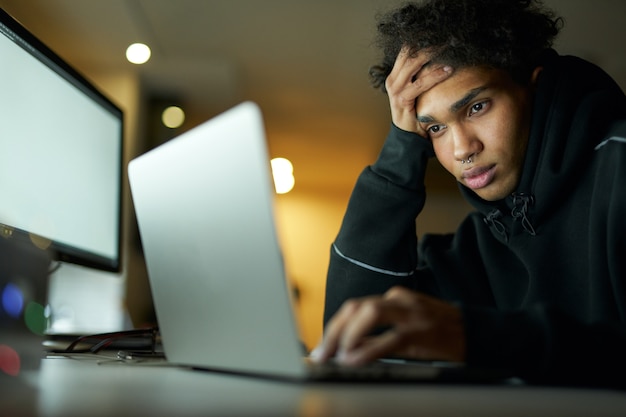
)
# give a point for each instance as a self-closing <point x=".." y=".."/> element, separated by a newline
<point x="534" y="280"/>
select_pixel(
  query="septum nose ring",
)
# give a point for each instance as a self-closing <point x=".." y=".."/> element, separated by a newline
<point x="467" y="161"/>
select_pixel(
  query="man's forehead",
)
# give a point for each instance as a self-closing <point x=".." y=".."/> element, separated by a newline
<point x="456" y="92"/>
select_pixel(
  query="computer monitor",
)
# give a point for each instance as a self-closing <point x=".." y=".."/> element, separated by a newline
<point x="60" y="154"/>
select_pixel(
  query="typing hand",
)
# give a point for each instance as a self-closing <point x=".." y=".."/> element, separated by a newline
<point x="419" y="327"/>
<point x="409" y="78"/>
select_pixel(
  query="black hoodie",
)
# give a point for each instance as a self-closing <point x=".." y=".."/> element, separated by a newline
<point x="540" y="275"/>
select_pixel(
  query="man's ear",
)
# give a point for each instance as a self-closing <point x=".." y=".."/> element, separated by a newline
<point x="535" y="76"/>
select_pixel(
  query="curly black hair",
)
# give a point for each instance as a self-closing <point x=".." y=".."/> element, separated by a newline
<point x="506" y="34"/>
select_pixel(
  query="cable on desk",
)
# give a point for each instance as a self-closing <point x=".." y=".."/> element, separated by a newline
<point x="105" y="340"/>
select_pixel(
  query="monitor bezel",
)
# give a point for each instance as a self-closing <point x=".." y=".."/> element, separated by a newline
<point x="21" y="36"/>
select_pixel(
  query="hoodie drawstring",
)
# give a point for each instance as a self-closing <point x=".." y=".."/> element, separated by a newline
<point x="521" y="202"/>
<point x="492" y="221"/>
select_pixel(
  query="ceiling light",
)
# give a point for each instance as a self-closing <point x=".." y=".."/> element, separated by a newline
<point x="282" y="171"/>
<point x="173" y="117"/>
<point x="138" y="53"/>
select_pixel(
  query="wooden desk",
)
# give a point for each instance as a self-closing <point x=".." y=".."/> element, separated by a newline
<point x="82" y="387"/>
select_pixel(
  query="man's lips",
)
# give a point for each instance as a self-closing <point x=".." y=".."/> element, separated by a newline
<point x="478" y="177"/>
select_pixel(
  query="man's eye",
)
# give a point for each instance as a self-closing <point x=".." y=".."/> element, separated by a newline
<point x="477" y="107"/>
<point x="435" y="130"/>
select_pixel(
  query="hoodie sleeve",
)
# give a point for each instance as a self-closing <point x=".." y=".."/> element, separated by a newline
<point x="370" y="256"/>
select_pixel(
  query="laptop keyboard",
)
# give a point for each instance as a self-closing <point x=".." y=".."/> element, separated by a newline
<point x="376" y="371"/>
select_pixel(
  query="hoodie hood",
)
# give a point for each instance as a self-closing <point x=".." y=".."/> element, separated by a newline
<point x="574" y="105"/>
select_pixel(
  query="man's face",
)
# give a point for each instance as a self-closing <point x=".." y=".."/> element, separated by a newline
<point x="479" y="115"/>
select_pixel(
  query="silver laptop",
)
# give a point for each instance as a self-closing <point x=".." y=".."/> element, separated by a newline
<point x="204" y="206"/>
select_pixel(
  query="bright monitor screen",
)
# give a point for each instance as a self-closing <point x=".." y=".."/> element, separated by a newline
<point x="60" y="154"/>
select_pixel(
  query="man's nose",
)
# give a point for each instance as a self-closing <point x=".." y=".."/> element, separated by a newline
<point x="466" y="143"/>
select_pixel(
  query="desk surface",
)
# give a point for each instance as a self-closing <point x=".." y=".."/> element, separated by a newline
<point x="90" y="387"/>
